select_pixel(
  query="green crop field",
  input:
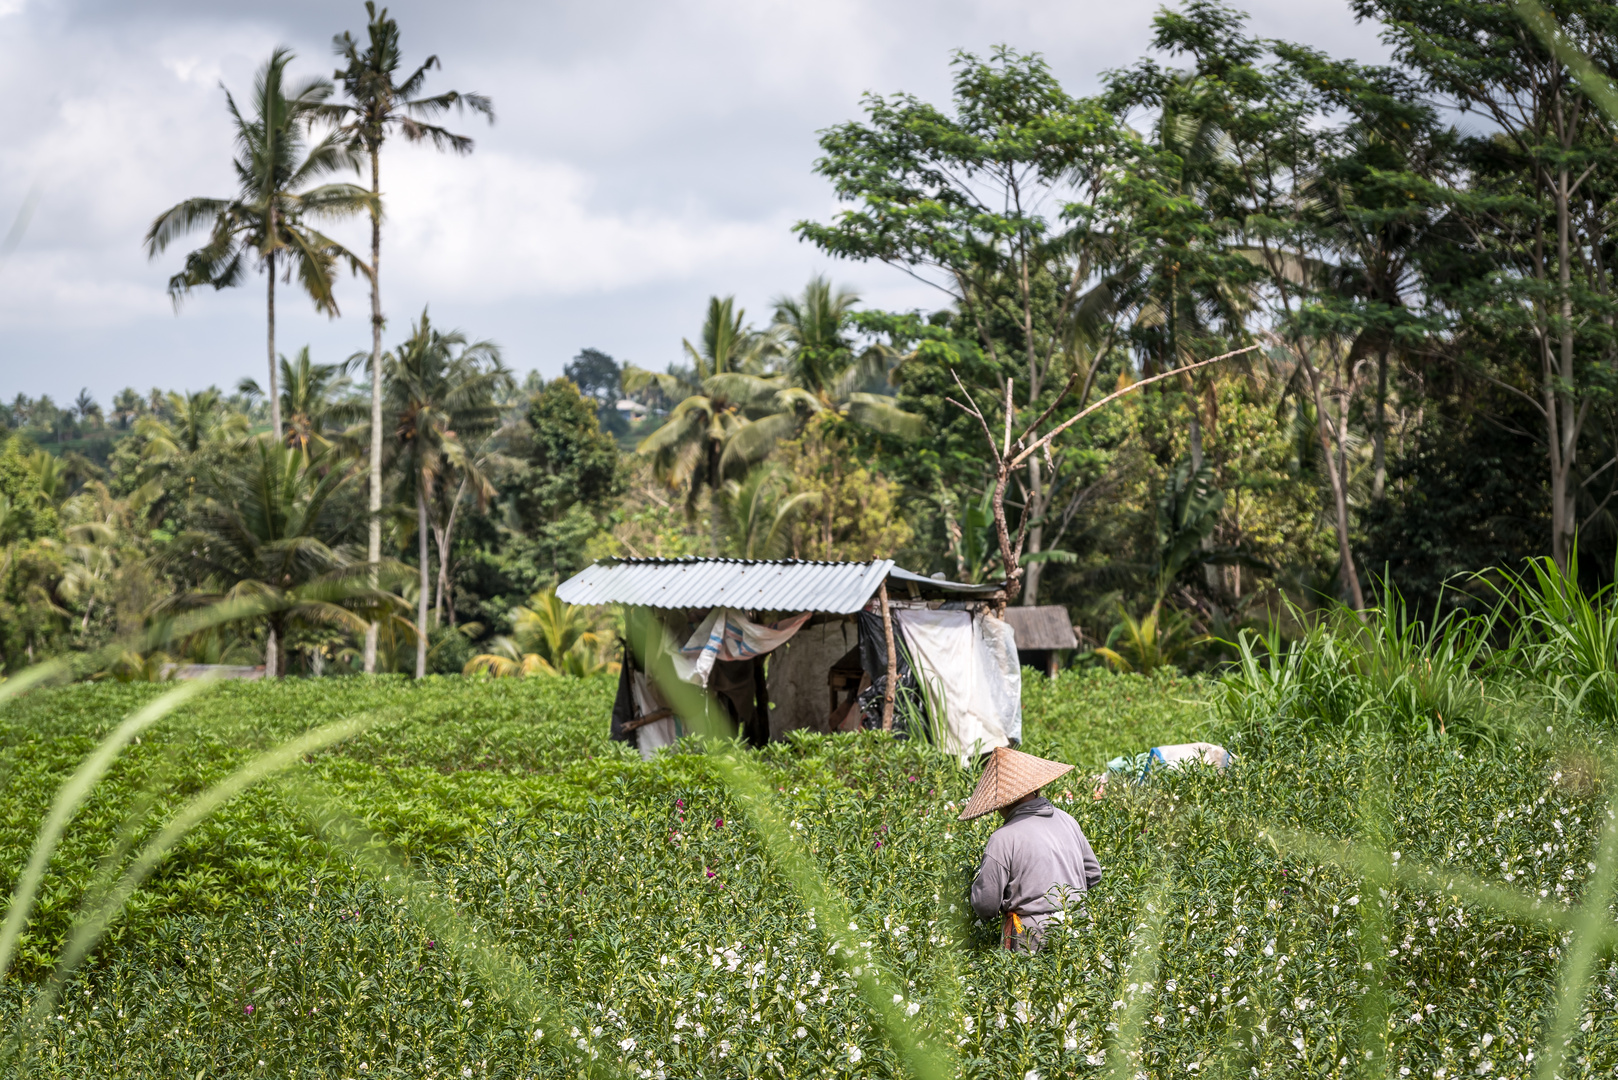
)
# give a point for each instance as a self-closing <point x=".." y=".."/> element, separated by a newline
<point x="481" y="885"/>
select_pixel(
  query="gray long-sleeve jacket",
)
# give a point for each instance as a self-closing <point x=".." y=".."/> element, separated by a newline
<point x="1034" y="864"/>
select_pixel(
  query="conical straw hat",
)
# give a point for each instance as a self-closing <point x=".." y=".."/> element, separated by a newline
<point x="1009" y="775"/>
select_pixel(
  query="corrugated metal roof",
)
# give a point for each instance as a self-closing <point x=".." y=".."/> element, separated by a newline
<point x="899" y="573"/>
<point x="1045" y="627"/>
<point x="737" y="583"/>
<point x="839" y="588"/>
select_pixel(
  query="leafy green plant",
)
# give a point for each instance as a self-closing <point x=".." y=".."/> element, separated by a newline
<point x="1157" y="639"/>
<point x="549" y="637"/>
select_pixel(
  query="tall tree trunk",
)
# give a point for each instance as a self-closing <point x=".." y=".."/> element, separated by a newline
<point x="272" y="654"/>
<point x="1036" y="533"/>
<point x="275" y="391"/>
<point x="445" y="537"/>
<point x="1379" y="429"/>
<point x="1567" y="404"/>
<point x="425" y="581"/>
<point x="1210" y="572"/>
<point x="1350" y="575"/>
<point x="373" y="542"/>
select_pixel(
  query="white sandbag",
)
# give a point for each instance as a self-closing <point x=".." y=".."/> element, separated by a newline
<point x="1177" y="755"/>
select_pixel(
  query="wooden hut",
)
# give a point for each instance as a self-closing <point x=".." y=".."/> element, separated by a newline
<point x="1043" y="633"/>
<point x="792" y="645"/>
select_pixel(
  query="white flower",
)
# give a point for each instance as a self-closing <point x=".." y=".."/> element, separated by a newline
<point x="1298" y="1044"/>
<point x="1070" y="1043"/>
<point x="466" y="1003"/>
<point x="681" y="1021"/>
<point x="724" y="1047"/>
<point x="1031" y="1074"/>
<point x="913" y="1008"/>
<point x="814" y="978"/>
<point x="702" y="1033"/>
<point x="897" y="998"/>
<point x="627" y="1045"/>
<point x="800" y="1033"/>
<point x="854" y="1054"/>
<point x="466" y="1070"/>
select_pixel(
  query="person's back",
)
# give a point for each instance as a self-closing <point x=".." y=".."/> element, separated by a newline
<point x="1037" y="864"/>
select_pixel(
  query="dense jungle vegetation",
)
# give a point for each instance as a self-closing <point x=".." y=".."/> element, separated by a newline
<point x="1418" y="250"/>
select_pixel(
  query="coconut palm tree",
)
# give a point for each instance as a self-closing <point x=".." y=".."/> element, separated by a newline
<point x="312" y="407"/>
<point x="378" y="107"/>
<point x="188" y="423"/>
<point x="262" y="538"/>
<point x="726" y="387"/>
<point x="267" y="222"/>
<point x="824" y="371"/>
<point x="443" y="395"/>
<point x="549" y="637"/>
<point x="761" y="508"/>
<point x="472" y="473"/>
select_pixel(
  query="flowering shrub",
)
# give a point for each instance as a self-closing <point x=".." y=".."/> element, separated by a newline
<point x="1228" y="935"/>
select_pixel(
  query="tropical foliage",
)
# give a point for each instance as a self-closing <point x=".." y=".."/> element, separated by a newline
<point x="1385" y="430"/>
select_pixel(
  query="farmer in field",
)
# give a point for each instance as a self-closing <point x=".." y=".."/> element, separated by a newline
<point x="1038" y="865"/>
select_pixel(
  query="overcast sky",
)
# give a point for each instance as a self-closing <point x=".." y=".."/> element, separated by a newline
<point x="646" y="155"/>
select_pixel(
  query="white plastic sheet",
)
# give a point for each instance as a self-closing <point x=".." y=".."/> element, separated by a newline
<point x="973" y="663"/>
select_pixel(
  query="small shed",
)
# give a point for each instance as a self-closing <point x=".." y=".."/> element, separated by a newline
<point x="1042" y="633"/>
<point x="794" y="645"/>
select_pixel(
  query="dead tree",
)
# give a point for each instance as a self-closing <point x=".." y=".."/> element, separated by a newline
<point x="1009" y="455"/>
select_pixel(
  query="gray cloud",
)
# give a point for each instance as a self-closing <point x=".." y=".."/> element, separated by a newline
<point x="646" y="155"/>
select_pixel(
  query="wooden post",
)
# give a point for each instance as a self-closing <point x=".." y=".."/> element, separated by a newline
<point x="893" y="658"/>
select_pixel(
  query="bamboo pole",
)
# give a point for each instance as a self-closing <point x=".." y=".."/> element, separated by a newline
<point x="893" y="658"/>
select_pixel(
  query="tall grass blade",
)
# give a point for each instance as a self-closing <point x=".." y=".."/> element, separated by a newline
<point x="1138" y="980"/>
<point x="88" y="930"/>
<point x="924" y="1061"/>
<point x="30" y="677"/>
<point x="1376" y="884"/>
<point x="68" y="799"/>
<point x="1591" y="931"/>
<point x="504" y="973"/>
<point x="1361" y="861"/>
<point x="1591" y="81"/>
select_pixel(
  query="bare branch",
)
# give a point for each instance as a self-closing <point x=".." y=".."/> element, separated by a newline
<point x="1070" y="421"/>
<point x="974" y="411"/>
